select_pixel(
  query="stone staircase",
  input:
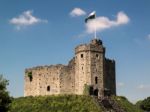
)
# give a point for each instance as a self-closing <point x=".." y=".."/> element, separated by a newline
<point x="108" y="105"/>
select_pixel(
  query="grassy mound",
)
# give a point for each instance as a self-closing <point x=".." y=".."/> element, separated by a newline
<point x="126" y="105"/>
<point x="66" y="103"/>
<point x="62" y="103"/>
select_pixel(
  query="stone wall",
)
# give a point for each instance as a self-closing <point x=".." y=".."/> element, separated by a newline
<point x="67" y="78"/>
<point x="45" y="80"/>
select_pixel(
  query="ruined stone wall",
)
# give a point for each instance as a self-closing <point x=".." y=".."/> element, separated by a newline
<point x="67" y="78"/>
<point x="31" y="85"/>
<point x="45" y="80"/>
<point x="110" y="77"/>
<point x="49" y="80"/>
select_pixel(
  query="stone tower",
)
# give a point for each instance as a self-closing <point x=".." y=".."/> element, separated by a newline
<point x="88" y="67"/>
<point x="89" y="59"/>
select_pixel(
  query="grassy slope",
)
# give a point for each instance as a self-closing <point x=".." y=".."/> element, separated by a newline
<point x="64" y="103"/>
<point x="126" y="105"/>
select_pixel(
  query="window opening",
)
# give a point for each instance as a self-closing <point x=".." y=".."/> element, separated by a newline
<point x="81" y="55"/>
<point x="30" y="76"/>
<point x="97" y="56"/>
<point x="96" y="80"/>
<point x="48" y="88"/>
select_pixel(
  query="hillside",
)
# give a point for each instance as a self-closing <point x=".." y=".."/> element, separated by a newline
<point x="67" y="103"/>
<point x="144" y="104"/>
<point x="126" y="105"/>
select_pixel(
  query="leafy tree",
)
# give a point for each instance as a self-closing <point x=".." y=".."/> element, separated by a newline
<point x="4" y="95"/>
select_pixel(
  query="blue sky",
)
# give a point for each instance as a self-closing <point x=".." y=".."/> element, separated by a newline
<point x="46" y="32"/>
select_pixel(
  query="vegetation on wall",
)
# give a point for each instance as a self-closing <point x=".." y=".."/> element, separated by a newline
<point x="30" y="76"/>
<point x="86" y="90"/>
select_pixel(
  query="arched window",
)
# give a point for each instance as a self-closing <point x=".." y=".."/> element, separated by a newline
<point x="96" y="80"/>
<point x="48" y="88"/>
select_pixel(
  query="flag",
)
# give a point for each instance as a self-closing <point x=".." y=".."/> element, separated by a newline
<point x="91" y="16"/>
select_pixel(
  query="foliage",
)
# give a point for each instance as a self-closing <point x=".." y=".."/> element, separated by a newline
<point x="86" y="89"/>
<point x="60" y="103"/>
<point x="145" y="104"/>
<point x="125" y="104"/>
<point x="30" y="76"/>
<point x="4" y="95"/>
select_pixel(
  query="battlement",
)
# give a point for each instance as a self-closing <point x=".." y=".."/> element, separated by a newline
<point x="95" y="46"/>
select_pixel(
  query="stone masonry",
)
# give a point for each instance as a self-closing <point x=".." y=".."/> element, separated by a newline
<point x="88" y="67"/>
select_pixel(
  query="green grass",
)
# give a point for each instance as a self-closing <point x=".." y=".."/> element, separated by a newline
<point x="65" y="103"/>
<point x="126" y="105"/>
<point x="61" y="103"/>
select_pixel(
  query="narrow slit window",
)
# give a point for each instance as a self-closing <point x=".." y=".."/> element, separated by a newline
<point x="96" y="80"/>
<point x="82" y="68"/>
<point x="81" y="55"/>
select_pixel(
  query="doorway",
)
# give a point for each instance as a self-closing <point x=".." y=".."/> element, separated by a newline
<point x="96" y="92"/>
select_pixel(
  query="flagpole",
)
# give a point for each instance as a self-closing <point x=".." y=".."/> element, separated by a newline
<point x="95" y="28"/>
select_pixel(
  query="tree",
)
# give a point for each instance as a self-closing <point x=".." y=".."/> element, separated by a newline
<point x="145" y="105"/>
<point x="5" y="99"/>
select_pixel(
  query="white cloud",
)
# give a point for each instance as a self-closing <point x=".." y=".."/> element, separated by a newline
<point x="102" y="23"/>
<point x="26" y="19"/>
<point x="143" y="87"/>
<point x="120" y="84"/>
<point x="77" y="12"/>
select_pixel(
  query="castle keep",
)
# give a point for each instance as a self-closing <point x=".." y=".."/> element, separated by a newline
<point x="88" y="67"/>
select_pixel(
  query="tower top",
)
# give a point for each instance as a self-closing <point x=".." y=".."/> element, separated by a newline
<point x="96" y="42"/>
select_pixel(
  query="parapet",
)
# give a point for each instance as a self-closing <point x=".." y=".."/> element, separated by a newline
<point x="96" y="42"/>
<point x="58" y="66"/>
<point x="95" y="45"/>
